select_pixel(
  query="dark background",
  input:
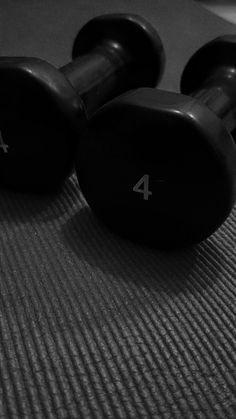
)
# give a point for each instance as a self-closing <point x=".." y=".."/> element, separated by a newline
<point x="91" y="325"/>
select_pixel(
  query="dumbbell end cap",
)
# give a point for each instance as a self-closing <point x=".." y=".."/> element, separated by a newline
<point x="39" y="114"/>
<point x="163" y="165"/>
<point x="135" y="35"/>
<point x="220" y="52"/>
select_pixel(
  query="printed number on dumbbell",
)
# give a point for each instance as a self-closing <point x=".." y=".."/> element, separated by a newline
<point x="3" y="145"/>
<point x="142" y="186"/>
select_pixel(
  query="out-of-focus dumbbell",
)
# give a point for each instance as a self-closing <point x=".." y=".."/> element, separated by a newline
<point x="44" y="110"/>
<point x="163" y="163"/>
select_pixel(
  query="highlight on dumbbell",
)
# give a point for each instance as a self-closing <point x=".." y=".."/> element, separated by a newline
<point x="163" y="163"/>
<point x="44" y="110"/>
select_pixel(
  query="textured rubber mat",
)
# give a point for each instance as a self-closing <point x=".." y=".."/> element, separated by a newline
<point x="94" y="326"/>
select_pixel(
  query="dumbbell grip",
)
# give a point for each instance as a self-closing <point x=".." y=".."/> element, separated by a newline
<point x="94" y="76"/>
<point x="218" y="93"/>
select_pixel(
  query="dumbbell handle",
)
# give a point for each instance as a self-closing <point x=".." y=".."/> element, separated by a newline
<point x="219" y="94"/>
<point x="94" y="76"/>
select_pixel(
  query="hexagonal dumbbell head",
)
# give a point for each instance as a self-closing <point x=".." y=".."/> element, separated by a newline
<point x="158" y="167"/>
<point x="127" y="40"/>
<point x="40" y="115"/>
<point x="213" y="66"/>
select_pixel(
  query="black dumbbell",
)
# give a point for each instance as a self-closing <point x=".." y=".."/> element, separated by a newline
<point x="163" y="163"/>
<point x="43" y="110"/>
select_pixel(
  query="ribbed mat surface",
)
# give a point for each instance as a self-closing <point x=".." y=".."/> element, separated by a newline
<point x="93" y="326"/>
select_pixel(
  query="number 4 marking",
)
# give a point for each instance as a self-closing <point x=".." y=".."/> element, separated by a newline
<point x="3" y="145"/>
<point x="144" y="182"/>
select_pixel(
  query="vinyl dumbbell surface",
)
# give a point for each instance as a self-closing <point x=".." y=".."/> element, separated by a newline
<point x="44" y="110"/>
<point x="168" y="175"/>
